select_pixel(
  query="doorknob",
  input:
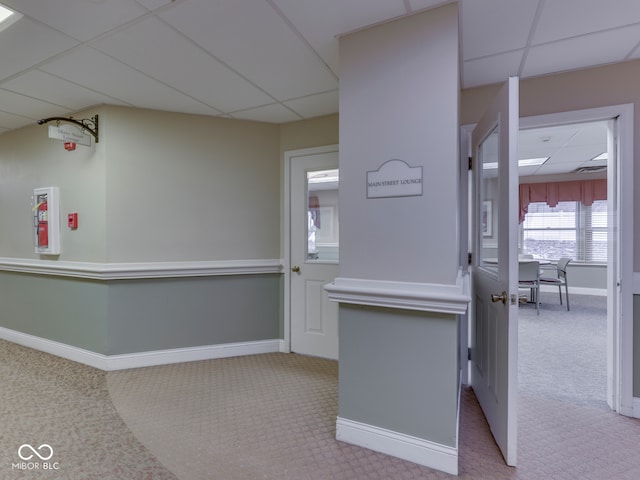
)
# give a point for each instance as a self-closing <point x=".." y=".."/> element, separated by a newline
<point x="295" y="269"/>
<point x="499" y="298"/>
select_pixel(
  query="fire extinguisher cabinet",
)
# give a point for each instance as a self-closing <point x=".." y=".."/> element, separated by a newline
<point x="46" y="220"/>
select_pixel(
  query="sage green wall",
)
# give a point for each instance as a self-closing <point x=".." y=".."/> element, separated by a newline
<point x="131" y="316"/>
<point x="158" y="187"/>
<point x="159" y="314"/>
<point x="30" y="159"/>
<point x="66" y="310"/>
<point x="399" y="370"/>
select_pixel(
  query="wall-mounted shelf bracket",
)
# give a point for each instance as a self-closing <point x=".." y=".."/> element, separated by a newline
<point x="89" y="125"/>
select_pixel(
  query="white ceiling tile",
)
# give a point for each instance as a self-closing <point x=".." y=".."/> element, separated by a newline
<point x="418" y="5"/>
<point x="159" y="51"/>
<point x="315" y="105"/>
<point x="26" y="43"/>
<point x="575" y="154"/>
<point x="321" y="23"/>
<point x="569" y="18"/>
<point x="153" y="4"/>
<point x="29" y="107"/>
<point x="585" y="51"/>
<point x="57" y="91"/>
<point x="494" y="26"/>
<point x="82" y="20"/>
<point x="255" y="41"/>
<point x="10" y="121"/>
<point x="555" y="168"/>
<point x="489" y="70"/>
<point x="269" y="113"/>
<point x="94" y="70"/>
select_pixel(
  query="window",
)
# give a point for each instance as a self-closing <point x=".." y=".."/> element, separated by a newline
<point x="570" y="229"/>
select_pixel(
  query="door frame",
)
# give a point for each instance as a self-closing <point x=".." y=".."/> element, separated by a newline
<point x="620" y="343"/>
<point x="289" y="157"/>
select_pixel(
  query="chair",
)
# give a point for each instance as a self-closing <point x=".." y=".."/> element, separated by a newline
<point x="529" y="277"/>
<point x="561" y="269"/>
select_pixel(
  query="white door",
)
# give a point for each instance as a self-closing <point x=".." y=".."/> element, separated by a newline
<point x="494" y="335"/>
<point x="314" y="247"/>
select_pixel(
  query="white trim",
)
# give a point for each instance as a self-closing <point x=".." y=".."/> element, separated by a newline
<point x="400" y="445"/>
<point x="600" y="292"/>
<point x="428" y="297"/>
<point x="59" y="349"/>
<point x="636" y="407"/>
<point x="636" y="283"/>
<point x="125" y="271"/>
<point x="190" y="354"/>
<point x="140" y="359"/>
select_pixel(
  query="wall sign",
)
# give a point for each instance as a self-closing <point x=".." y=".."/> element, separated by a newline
<point x="394" y="178"/>
<point x="69" y="133"/>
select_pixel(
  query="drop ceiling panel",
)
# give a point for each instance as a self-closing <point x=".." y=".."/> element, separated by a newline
<point x="558" y="168"/>
<point x="255" y="41"/>
<point x="159" y="51"/>
<point x="586" y="16"/>
<point x="28" y="107"/>
<point x="26" y="43"/>
<point x="593" y="134"/>
<point x="417" y="5"/>
<point x="492" y="26"/>
<point x="599" y="48"/>
<point x="268" y="113"/>
<point x="57" y="91"/>
<point x="577" y="154"/>
<point x="9" y="121"/>
<point x="81" y="20"/>
<point x="153" y="4"/>
<point x="315" y="105"/>
<point x="97" y="71"/>
<point x="322" y="22"/>
<point x="489" y="70"/>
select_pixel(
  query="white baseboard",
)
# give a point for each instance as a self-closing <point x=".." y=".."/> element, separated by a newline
<point x="602" y="292"/>
<point x="636" y="407"/>
<point x="140" y="359"/>
<point x="406" y="447"/>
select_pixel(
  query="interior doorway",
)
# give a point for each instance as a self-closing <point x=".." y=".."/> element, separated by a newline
<point x="619" y="303"/>
<point x="562" y="350"/>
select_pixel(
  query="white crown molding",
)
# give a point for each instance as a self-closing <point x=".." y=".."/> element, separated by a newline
<point x="125" y="271"/>
<point x="400" y="445"/>
<point x="140" y="359"/>
<point x="428" y="297"/>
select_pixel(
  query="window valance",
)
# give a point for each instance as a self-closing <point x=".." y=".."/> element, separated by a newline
<point x="585" y="191"/>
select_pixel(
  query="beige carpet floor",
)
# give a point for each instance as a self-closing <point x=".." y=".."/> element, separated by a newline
<point x="52" y="401"/>
<point x="262" y="417"/>
<point x="273" y="417"/>
<point x="256" y="417"/>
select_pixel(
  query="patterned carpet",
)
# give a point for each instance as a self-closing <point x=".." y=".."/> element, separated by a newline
<point x="262" y="417"/>
<point x="256" y="417"/>
<point x="50" y="401"/>
<point x="562" y="355"/>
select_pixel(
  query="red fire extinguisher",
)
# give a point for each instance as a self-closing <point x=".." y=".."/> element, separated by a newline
<point x="43" y="225"/>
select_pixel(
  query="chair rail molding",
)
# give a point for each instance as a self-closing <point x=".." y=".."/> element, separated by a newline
<point x="429" y="297"/>
<point x="125" y="271"/>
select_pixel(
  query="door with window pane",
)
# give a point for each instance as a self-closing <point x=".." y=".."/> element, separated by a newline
<point x="314" y="253"/>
